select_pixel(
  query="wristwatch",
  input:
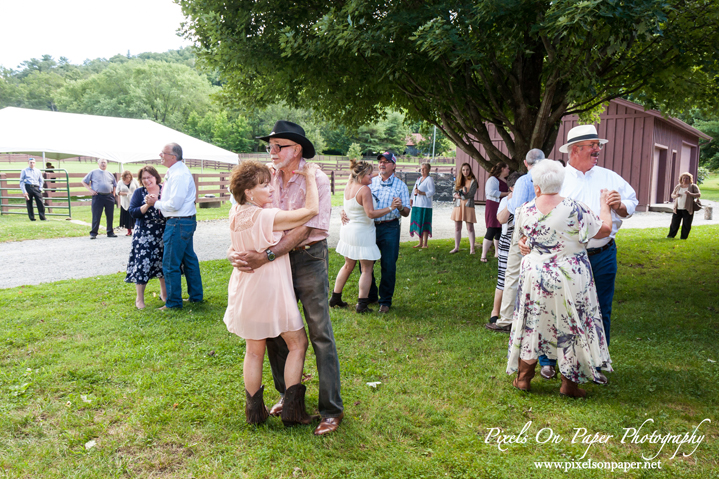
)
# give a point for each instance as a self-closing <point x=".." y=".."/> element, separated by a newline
<point x="270" y="255"/>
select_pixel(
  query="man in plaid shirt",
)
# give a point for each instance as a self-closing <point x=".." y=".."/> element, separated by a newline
<point x="385" y="188"/>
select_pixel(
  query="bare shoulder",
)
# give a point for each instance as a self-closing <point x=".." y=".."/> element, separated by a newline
<point x="363" y="194"/>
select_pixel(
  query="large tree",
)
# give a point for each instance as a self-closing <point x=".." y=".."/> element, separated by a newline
<point x="163" y="92"/>
<point x="520" y="65"/>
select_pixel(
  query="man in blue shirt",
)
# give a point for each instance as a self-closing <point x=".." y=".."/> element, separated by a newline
<point x="523" y="192"/>
<point x="31" y="183"/>
<point x="101" y="183"/>
<point x="385" y="188"/>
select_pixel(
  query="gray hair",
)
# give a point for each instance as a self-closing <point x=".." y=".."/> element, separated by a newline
<point x="548" y="176"/>
<point x="425" y="165"/>
<point x="177" y="151"/>
<point x="535" y="155"/>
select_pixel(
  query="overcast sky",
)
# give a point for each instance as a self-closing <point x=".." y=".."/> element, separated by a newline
<point x="86" y="29"/>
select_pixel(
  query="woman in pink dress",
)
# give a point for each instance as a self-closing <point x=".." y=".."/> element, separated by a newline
<point x="262" y="304"/>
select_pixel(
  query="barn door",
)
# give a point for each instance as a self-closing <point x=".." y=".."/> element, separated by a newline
<point x="660" y="174"/>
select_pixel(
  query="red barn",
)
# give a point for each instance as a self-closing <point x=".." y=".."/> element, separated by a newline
<point x="646" y="148"/>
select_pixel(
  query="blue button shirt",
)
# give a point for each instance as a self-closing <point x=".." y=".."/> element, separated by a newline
<point x="384" y="191"/>
<point x="523" y="192"/>
<point x="30" y="176"/>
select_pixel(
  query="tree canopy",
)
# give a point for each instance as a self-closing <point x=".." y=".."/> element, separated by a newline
<point x="520" y="65"/>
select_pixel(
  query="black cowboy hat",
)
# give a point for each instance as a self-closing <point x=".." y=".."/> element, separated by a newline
<point x="294" y="132"/>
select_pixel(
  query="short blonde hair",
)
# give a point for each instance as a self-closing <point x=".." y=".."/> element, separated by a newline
<point x="688" y="175"/>
<point x="125" y="174"/>
<point x="548" y="176"/>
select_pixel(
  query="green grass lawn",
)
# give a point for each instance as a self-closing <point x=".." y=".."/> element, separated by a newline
<point x="710" y="188"/>
<point x="19" y="227"/>
<point x="93" y="388"/>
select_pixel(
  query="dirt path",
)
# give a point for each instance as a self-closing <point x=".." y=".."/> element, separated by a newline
<point x="43" y="261"/>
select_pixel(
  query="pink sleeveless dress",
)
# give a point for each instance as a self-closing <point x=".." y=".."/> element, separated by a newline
<point x="262" y="304"/>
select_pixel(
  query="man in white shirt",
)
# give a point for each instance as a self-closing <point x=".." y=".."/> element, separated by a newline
<point x="177" y="204"/>
<point x="583" y="182"/>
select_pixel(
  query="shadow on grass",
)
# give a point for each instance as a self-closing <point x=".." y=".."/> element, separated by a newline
<point x="161" y="393"/>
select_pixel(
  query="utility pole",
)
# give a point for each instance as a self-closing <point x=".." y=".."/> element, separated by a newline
<point x="434" y="137"/>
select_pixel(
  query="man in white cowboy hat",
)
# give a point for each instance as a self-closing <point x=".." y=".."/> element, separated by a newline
<point x="307" y="246"/>
<point x="583" y="182"/>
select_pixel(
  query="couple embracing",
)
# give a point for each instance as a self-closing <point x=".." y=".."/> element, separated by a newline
<point x="279" y="232"/>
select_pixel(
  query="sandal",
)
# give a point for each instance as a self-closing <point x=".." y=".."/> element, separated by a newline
<point x="483" y="260"/>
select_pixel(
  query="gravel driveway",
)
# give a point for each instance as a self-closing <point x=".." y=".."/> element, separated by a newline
<point x="43" y="261"/>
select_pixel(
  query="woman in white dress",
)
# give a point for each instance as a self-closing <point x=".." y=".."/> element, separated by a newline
<point x="357" y="237"/>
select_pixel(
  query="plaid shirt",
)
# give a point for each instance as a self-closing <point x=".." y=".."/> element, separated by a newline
<point x="292" y="197"/>
<point x="384" y="191"/>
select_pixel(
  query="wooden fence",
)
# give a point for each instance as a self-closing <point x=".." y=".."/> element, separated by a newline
<point x="211" y="187"/>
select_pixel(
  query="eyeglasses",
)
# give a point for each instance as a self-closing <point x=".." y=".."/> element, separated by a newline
<point x="272" y="148"/>
<point x="593" y="145"/>
<point x="385" y="162"/>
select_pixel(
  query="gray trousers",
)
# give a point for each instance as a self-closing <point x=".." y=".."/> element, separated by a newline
<point x="311" y="284"/>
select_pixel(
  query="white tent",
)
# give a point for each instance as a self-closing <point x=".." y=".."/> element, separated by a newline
<point x="124" y="140"/>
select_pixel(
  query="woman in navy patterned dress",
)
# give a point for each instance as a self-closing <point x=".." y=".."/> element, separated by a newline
<point x="145" y="260"/>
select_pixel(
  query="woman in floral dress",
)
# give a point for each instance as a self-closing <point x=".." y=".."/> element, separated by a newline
<point x="147" y="247"/>
<point x="557" y="313"/>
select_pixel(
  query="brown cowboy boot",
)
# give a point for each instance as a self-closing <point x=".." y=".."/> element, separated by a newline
<point x="524" y="375"/>
<point x="255" y="410"/>
<point x="293" y="409"/>
<point x="570" y="389"/>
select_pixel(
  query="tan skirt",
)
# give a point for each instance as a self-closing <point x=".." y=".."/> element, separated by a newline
<point x="463" y="213"/>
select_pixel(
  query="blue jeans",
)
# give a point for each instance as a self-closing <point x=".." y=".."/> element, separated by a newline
<point x="604" y="270"/>
<point x="177" y="238"/>
<point x="311" y="283"/>
<point x="388" y="244"/>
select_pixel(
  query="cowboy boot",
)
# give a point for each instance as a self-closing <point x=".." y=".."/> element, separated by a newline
<point x="524" y="375"/>
<point x="362" y="305"/>
<point x="570" y="388"/>
<point x="336" y="300"/>
<point x="293" y="410"/>
<point x="255" y="410"/>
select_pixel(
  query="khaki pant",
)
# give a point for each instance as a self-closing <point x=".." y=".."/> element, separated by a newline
<point x="511" y="281"/>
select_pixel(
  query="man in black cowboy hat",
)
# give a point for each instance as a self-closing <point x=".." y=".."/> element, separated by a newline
<point x="307" y="247"/>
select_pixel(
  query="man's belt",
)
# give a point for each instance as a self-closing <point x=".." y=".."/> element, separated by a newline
<point x="182" y="217"/>
<point x="386" y="221"/>
<point x="593" y="251"/>
<point x="307" y="246"/>
<point x="104" y="194"/>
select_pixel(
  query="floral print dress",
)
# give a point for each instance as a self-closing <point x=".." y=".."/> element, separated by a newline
<point x="145" y="260"/>
<point x="557" y="311"/>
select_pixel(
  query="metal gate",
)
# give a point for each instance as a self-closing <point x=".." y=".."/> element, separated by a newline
<point x="56" y="193"/>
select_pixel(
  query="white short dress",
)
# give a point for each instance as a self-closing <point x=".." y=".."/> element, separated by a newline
<point x="358" y="240"/>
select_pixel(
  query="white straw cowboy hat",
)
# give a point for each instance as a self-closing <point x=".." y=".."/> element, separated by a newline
<point x="581" y="133"/>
